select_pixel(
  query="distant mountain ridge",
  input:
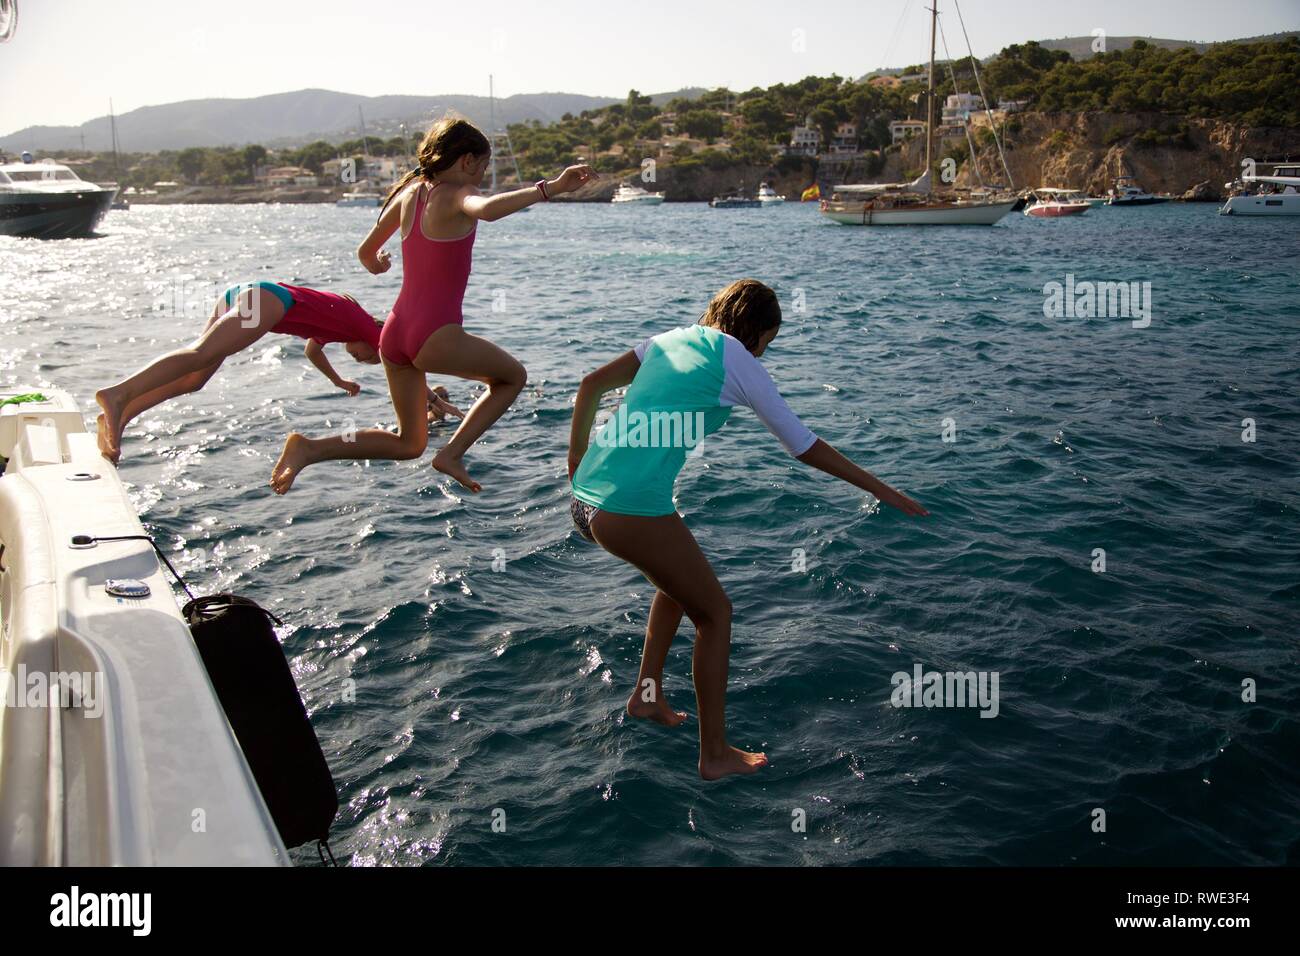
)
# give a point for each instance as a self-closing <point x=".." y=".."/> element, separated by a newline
<point x="298" y="117"/>
<point x="292" y="119"/>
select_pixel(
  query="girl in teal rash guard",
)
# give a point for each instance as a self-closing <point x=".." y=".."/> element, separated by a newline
<point x="683" y="385"/>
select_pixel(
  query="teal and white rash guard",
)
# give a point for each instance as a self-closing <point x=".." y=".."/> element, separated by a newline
<point x="688" y="382"/>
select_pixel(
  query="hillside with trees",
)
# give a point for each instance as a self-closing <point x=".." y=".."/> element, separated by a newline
<point x="1246" y="85"/>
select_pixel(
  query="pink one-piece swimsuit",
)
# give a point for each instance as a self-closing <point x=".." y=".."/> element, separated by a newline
<point x="434" y="275"/>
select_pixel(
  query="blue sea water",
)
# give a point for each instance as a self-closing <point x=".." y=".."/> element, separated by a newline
<point x="466" y="655"/>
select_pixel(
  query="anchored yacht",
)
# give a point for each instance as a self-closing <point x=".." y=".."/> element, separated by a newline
<point x="49" y="201"/>
<point x="918" y="203"/>
<point x="1275" y="195"/>
<point x="1126" y="192"/>
<point x="629" y="193"/>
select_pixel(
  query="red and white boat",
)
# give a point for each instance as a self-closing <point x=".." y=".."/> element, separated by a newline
<point x="1051" y="203"/>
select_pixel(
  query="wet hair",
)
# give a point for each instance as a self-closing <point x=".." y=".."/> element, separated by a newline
<point x="746" y="310"/>
<point x="447" y="141"/>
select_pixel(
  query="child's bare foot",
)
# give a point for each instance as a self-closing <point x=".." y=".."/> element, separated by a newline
<point x="731" y="761"/>
<point x="294" y="457"/>
<point x="101" y="435"/>
<point x="451" y="465"/>
<point x="657" y="710"/>
<point x="109" y="425"/>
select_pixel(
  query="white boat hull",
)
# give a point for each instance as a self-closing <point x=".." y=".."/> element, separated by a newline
<point x="639" y="201"/>
<point x="966" y="214"/>
<point x="1280" y="204"/>
<point x="156" y="777"/>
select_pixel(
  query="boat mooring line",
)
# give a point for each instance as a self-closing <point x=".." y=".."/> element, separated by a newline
<point x="90" y="540"/>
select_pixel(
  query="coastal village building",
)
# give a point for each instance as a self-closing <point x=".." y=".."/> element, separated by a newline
<point x="290" y="176"/>
<point x="376" y="170"/>
<point x="958" y="107"/>
<point x="845" y="141"/>
<point x="903" y="130"/>
<point x="805" y="140"/>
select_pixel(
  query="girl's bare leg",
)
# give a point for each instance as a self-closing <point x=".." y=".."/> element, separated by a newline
<point x="453" y="351"/>
<point x="184" y="385"/>
<point x="648" y="699"/>
<point x="406" y="387"/>
<point x="666" y="552"/>
<point x="254" y="313"/>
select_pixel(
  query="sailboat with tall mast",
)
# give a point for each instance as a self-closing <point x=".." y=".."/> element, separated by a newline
<point x="914" y="203"/>
<point x="501" y="147"/>
<point x="119" y="201"/>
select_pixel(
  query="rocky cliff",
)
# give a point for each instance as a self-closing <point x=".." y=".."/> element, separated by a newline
<point x="1166" y="154"/>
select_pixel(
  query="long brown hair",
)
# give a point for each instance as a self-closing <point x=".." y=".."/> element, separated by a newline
<point x="447" y="141"/>
<point x="746" y="310"/>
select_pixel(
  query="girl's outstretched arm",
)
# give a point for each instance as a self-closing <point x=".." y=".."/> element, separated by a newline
<point x="315" y="353"/>
<point x="371" y="251"/>
<point x="608" y="377"/>
<point x="492" y="208"/>
<point x="825" y="458"/>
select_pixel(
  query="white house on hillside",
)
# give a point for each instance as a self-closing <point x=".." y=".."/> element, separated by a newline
<point x="805" y="140"/>
<point x="846" y="139"/>
<point x="900" y="130"/>
<point x="958" y="107"/>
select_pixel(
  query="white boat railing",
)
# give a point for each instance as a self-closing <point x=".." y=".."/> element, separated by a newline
<point x="127" y="758"/>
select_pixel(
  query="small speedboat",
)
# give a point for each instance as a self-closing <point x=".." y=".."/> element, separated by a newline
<point x="49" y="201"/>
<point x="736" y="201"/>
<point x="1052" y="203"/>
<point x="628" y="193"/>
<point x="767" y="195"/>
<point x="1126" y="192"/>
<point x="360" y="197"/>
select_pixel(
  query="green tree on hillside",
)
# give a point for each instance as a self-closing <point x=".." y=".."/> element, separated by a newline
<point x="705" y="124"/>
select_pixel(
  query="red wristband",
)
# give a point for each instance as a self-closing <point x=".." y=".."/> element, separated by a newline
<point x="541" y="185"/>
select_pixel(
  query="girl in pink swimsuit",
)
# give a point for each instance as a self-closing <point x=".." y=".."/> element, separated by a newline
<point x="438" y="207"/>
<point x="241" y="316"/>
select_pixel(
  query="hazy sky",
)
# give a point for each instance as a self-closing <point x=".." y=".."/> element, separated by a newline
<point x="70" y="56"/>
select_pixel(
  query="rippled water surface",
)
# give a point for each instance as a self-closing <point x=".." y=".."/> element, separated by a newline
<point x="479" y="689"/>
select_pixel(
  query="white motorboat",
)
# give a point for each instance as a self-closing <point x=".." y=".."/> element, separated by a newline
<point x="114" y="749"/>
<point x="1274" y="195"/>
<point x="49" y="201"/>
<point x="360" y="197"/>
<point x="767" y="195"/>
<point x="629" y="193"/>
<point x="1126" y="192"/>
